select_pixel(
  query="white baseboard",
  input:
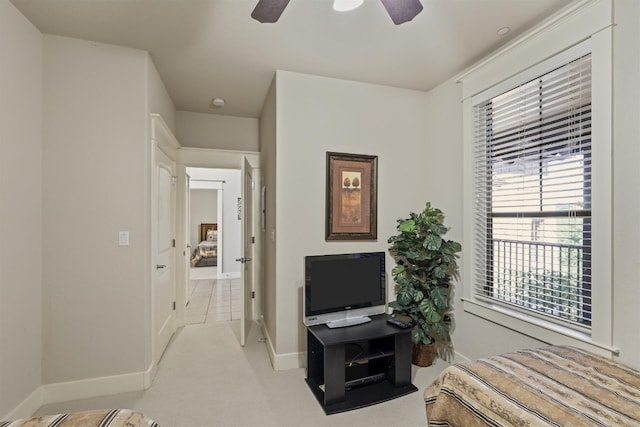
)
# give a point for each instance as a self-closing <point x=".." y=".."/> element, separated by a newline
<point x="458" y="357"/>
<point x="94" y="387"/>
<point x="82" y="389"/>
<point x="149" y="375"/>
<point x="28" y="406"/>
<point x="288" y="361"/>
<point x="270" y="350"/>
<point x="281" y="362"/>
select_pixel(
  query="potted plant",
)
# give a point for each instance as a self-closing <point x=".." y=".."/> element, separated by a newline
<point x="426" y="264"/>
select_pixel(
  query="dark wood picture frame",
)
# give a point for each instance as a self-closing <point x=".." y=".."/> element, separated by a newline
<point x="204" y="227"/>
<point x="352" y="197"/>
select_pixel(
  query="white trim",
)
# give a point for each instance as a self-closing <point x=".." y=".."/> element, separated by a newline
<point x="220" y="216"/>
<point x="149" y="375"/>
<point x="537" y="70"/>
<point x="602" y="186"/>
<point x="183" y="252"/>
<point x="547" y="332"/>
<point x="459" y="358"/>
<point x="213" y="158"/>
<point x="271" y="351"/>
<point x="92" y="387"/>
<point x="27" y="407"/>
<point x="161" y="133"/>
<point x="281" y="362"/>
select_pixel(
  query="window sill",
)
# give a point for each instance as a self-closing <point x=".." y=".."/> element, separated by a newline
<point x="536" y="328"/>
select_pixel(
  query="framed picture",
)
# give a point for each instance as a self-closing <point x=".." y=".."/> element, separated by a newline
<point x="352" y="198"/>
<point x="206" y="227"/>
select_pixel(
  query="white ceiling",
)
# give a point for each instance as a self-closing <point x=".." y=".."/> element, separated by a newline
<point x="212" y="48"/>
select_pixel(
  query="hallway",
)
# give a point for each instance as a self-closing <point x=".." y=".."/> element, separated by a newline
<point x="213" y="300"/>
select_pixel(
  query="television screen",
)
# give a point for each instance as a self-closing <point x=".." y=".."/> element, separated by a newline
<point x="344" y="286"/>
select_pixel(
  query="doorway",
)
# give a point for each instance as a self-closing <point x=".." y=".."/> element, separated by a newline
<point x="213" y="292"/>
<point x="229" y="161"/>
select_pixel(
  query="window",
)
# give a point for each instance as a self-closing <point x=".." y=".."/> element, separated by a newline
<point x="532" y="187"/>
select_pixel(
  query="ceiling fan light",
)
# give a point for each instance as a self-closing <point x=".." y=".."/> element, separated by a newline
<point x="346" y="5"/>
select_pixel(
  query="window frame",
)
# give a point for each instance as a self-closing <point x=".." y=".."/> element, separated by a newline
<point x="498" y="250"/>
<point x="600" y="336"/>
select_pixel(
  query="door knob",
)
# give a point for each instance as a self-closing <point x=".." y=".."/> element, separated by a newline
<point x="160" y="266"/>
<point x="243" y="260"/>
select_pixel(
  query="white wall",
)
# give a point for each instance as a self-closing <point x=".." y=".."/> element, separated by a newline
<point x="201" y="130"/>
<point x="20" y="209"/>
<point x="158" y="99"/>
<point x="268" y="124"/>
<point x="316" y="115"/>
<point x="203" y="209"/>
<point x="96" y="107"/>
<point x="418" y="138"/>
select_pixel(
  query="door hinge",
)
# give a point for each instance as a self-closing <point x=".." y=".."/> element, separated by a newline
<point x="253" y="239"/>
<point x="174" y="306"/>
<point x="174" y="243"/>
<point x="253" y="294"/>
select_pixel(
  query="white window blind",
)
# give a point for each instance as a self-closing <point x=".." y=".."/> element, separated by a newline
<point x="532" y="207"/>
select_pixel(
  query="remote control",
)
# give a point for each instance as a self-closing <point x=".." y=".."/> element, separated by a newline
<point x="399" y="323"/>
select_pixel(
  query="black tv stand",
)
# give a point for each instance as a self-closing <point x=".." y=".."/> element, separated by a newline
<point x="358" y="366"/>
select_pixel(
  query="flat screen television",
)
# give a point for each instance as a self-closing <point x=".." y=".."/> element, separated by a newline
<point x="344" y="289"/>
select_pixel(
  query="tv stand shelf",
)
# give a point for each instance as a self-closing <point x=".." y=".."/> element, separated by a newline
<point x="358" y="366"/>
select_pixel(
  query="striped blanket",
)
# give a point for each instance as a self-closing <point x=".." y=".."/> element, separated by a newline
<point x="556" y="386"/>
<point x="100" y="418"/>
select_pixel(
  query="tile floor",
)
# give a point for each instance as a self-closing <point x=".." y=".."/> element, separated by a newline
<point x="213" y="300"/>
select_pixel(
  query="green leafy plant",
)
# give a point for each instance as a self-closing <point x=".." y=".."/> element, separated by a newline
<point x="425" y="265"/>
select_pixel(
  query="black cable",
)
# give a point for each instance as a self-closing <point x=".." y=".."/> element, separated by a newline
<point x="357" y="354"/>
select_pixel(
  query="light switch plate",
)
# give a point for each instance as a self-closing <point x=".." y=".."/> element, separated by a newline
<point x="123" y="238"/>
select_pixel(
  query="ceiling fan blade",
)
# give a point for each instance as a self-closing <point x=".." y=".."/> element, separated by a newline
<point x="269" y="11"/>
<point x="402" y="11"/>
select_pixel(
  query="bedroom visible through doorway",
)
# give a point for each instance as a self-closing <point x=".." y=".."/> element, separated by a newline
<point x="213" y="292"/>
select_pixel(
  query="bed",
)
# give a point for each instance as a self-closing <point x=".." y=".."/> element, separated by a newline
<point x="98" y="418"/>
<point x="206" y="253"/>
<point x="554" y="386"/>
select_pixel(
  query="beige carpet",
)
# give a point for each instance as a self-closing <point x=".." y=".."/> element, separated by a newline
<point x="206" y="379"/>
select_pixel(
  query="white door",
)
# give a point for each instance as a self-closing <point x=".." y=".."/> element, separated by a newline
<point x="246" y="250"/>
<point x="184" y="221"/>
<point x="187" y="244"/>
<point x="164" y="275"/>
